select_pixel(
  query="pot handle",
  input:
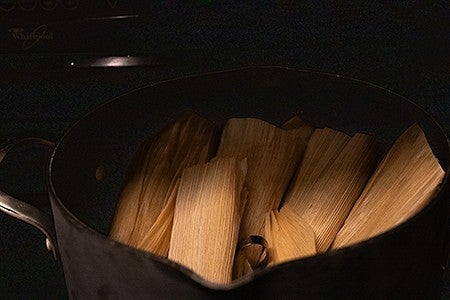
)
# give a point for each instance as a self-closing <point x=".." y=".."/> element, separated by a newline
<point x="24" y="211"/>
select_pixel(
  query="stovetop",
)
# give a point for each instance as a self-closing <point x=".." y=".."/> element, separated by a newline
<point x="49" y="85"/>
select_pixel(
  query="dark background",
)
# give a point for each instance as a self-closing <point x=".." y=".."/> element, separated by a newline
<point x="403" y="47"/>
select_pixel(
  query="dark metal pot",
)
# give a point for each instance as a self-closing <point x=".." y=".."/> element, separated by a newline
<point x="89" y="164"/>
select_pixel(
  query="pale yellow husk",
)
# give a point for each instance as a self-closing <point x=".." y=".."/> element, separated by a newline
<point x="324" y="194"/>
<point x="272" y="155"/>
<point x="206" y="218"/>
<point x="402" y="185"/>
<point x="289" y="236"/>
<point x="187" y="141"/>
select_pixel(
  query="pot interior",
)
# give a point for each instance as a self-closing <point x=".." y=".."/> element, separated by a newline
<point x="90" y="163"/>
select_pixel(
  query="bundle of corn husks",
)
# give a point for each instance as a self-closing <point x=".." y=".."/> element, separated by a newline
<point x="302" y="190"/>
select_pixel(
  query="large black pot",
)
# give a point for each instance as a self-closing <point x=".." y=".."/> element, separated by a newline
<point x="89" y="163"/>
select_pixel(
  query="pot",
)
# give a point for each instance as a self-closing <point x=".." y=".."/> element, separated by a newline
<point x="89" y="163"/>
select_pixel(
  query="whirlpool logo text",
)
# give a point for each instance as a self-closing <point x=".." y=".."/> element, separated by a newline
<point x="28" y="39"/>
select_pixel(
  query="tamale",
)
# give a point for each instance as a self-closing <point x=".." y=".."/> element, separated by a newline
<point x="206" y="219"/>
<point x="272" y="155"/>
<point x="323" y="147"/>
<point x="331" y="196"/>
<point x="187" y="141"/>
<point x="128" y="204"/>
<point x="288" y="236"/>
<point x="403" y="184"/>
<point x="157" y="239"/>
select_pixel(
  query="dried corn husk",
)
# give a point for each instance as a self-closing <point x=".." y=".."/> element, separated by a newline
<point x="331" y="197"/>
<point x="305" y="129"/>
<point x="404" y="182"/>
<point x="128" y="204"/>
<point x="323" y="147"/>
<point x="187" y="141"/>
<point x="288" y="236"/>
<point x="157" y="239"/>
<point x="272" y="155"/>
<point x="206" y="218"/>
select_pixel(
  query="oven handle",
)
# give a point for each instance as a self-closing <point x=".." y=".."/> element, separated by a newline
<point x="24" y="211"/>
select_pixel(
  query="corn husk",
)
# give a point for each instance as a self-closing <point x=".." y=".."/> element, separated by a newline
<point x="272" y="155"/>
<point x="403" y="184"/>
<point x="157" y="239"/>
<point x="289" y="236"/>
<point x="305" y="129"/>
<point x="128" y="204"/>
<point x="323" y="147"/>
<point x="187" y="141"/>
<point x="206" y="218"/>
<point x="336" y="188"/>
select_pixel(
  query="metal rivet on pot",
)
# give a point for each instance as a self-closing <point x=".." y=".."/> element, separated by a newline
<point x="100" y="173"/>
<point x="49" y="245"/>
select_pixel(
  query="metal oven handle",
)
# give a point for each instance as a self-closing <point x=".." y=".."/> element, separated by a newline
<point x="24" y="211"/>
